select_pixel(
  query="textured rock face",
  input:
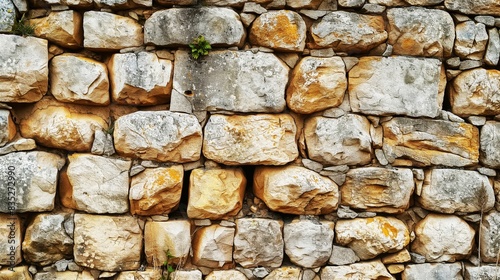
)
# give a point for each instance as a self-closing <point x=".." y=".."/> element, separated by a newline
<point x="64" y="275"/>
<point x="471" y="40"/>
<point x="482" y="272"/>
<point x="254" y="139"/>
<point x="443" y="238"/>
<point x="335" y="30"/>
<point x="10" y="238"/>
<point x="308" y="243"/>
<point x="285" y="273"/>
<point x="378" y="189"/>
<point x="213" y="246"/>
<point x="148" y="274"/>
<point x="123" y="4"/>
<point x="370" y="237"/>
<point x="231" y="81"/>
<point x="171" y="236"/>
<point x="19" y="273"/>
<point x="451" y="271"/>
<point x="226" y="274"/>
<point x="101" y="190"/>
<point x="492" y="54"/>
<point x="425" y="142"/>
<point x="186" y="275"/>
<point x="295" y="190"/>
<point x="490" y="153"/>
<point x="489" y="238"/>
<point x="116" y="246"/>
<point x="279" y="30"/>
<point x="29" y="180"/>
<point x="140" y="78"/>
<point x="63" y="28"/>
<point x="160" y="135"/>
<point x="451" y="190"/>
<point x="397" y="86"/>
<point x="180" y="26"/>
<point x="258" y="242"/>
<point x="156" y="191"/>
<point x="342" y="256"/>
<point x="215" y="193"/>
<point x="364" y="270"/>
<point x="106" y="31"/>
<point x="345" y="140"/>
<point x="7" y="127"/>
<point x="421" y="32"/>
<point x="489" y="7"/>
<point x="78" y="79"/>
<point x="23" y="68"/>
<point x="7" y="15"/>
<point x="316" y="84"/>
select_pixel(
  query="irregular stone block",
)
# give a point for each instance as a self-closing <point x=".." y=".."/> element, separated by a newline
<point x="231" y="81"/>
<point x="481" y="273"/>
<point x="489" y="238"/>
<point x="423" y="142"/>
<point x="79" y="4"/>
<point x="64" y="275"/>
<point x="452" y="271"/>
<point x="364" y="270"/>
<point x="95" y="190"/>
<point x="451" y="190"/>
<point x="251" y="139"/>
<point x="7" y="127"/>
<point x="490" y="147"/>
<point x="226" y="274"/>
<point x="492" y="54"/>
<point x="378" y="189"/>
<point x="370" y="237"/>
<point x="185" y="275"/>
<point x="285" y="273"/>
<point x="258" y="242"/>
<point x="316" y="84"/>
<point x="159" y="136"/>
<point x="471" y="40"/>
<point x="443" y="238"/>
<point x="173" y="237"/>
<point x="488" y="7"/>
<point x="216" y="193"/>
<point x="156" y="191"/>
<point x="280" y="30"/>
<point x="107" y="31"/>
<point x="116" y="246"/>
<point x="213" y="246"/>
<point x="295" y="190"/>
<point x="23" y="68"/>
<point x="397" y="86"/>
<point x="29" y="180"/>
<point x="62" y="28"/>
<point x="421" y="32"/>
<point x="7" y="15"/>
<point x="424" y="2"/>
<point x="11" y="236"/>
<point x="342" y="141"/>
<point x="18" y="273"/>
<point x="123" y="4"/>
<point x="342" y="255"/>
<point x="336" y="30"/>
<point x="78" y="79"/>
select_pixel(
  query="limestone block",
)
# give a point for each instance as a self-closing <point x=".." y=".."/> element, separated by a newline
<point x="216" y="193"/>
<point x="482" y="272"/>
<point x="397" y="85"/>
<point x="226" y="274"/>
<point x="237" y="81"/>
<point x="281" y="30"/>
<point x="95" y="190"/>
<point x="342" y="256"/>
<point x="489" y="7"/>
<point x="389" y="3"/>
<point x="378" y="189"/>
<point x="370" y="237"/>
<point x="336" y="30"/>
<point x="148" y="274"/>
<point x="79" y="4"/>
<point x="471" y="40"/>
<point x="186" y="275"/>
<point x="29" y="180"/>
<point x="489" y="149"/>
<point x="424" y="2"/>
<point x="123" y="4"/>
<point x="11" y="235"/>
<point x="421" y="32"/>
<point x="402" y="256"/>
<point x="64" y="275"/>
<point x="171" y="236"/>
<point x="62" y="28"/>
<point x="351" y="3"/>
<point x="295" y="190"/>
<point x="316" y="84"/>
<point x="116" y="246"/>
<point x="492" y="54"/>
<point x="78" y="79"/>
<point x="342" y="141"/>
<point x="23" y="68"/>
<point x="258" y="242"/>
<point x="285" y="273"/>
<point x="251" y="139"/>
<point x="489" y="238"/>
<point x="452" y="271"/>
<point x="159" y="136"/>
<point x="304" y="4"/>
<point x="443" y="238"/>
<point x="7" y="127"/>
<point x="451" y="190"/>
<point x="156" y="191"/>
<point x="365" y="270"/>
<point x="475" y="92"/>
<point x="213" y="246"/>
<point x="18" y="273"/>
<point x="107" y="31"/>
<point x="7" y="15"/>
<point x="423" y="142"/>
<point x="140" y="78"/>
<point x="308" y="243"/>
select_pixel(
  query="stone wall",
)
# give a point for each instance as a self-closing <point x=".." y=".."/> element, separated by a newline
<point x="318" y="139"/>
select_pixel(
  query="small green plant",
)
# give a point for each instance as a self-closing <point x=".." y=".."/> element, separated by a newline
<point x="167" y="267"/>
<point x="199" y="47"/>
<point x="23" y="28"/>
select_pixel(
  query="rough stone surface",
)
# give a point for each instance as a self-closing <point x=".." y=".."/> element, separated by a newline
<point x="316" y="84"/>
<point x="397" y="86"/>
<point x="365" y="270"/>
<point x="489" y="237"/>
<point x="156" y="191"/>
<point x="160" y="136"/>
<point x="18" y="273"/>
<point x="62" y="28"/>
<point x="280" y="30"/>
<point x="285" y="273"/>
<point x="226" y="274"/>
<point x="64" y="275"/>
<point x="171" y="236"/>
<point x="342" y="256"/>
<point x="7" y="15"/>
<point x="421" y="32"/>
<point x="342" y="141"/>
<point x="7" y="127"/>
<point x="213" y="246"/>
<point x="185" y="275"/>
<point x="471" y="40"/>
<point x="258" y="242"/>
<point x="335" y="30"/>
<point x="378" y="189"/>
<point x="489" y="149"/>
<point x="369" y="237"/>
<point x="10" y="238"/>
<point x="485" y="272"/>
<point x="492" y="54"/>
<point x="148" y="274"/>
<point x="123" y="4"/>
<point x="254" y="139"/>
<point x="116" y="246"/>
<point x="488" y="7"/>
<point x="443" y="238"/>
<point x="451" y="271"/>
<point x="216" y="193"/>
<point x="430" y="142"/>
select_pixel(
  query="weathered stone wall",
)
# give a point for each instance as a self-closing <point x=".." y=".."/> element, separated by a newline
<point x="318" y="139"/>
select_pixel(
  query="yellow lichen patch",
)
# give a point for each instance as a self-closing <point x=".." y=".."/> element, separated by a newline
<point x="388" y="230"/>
<point x="286" y="30"/>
